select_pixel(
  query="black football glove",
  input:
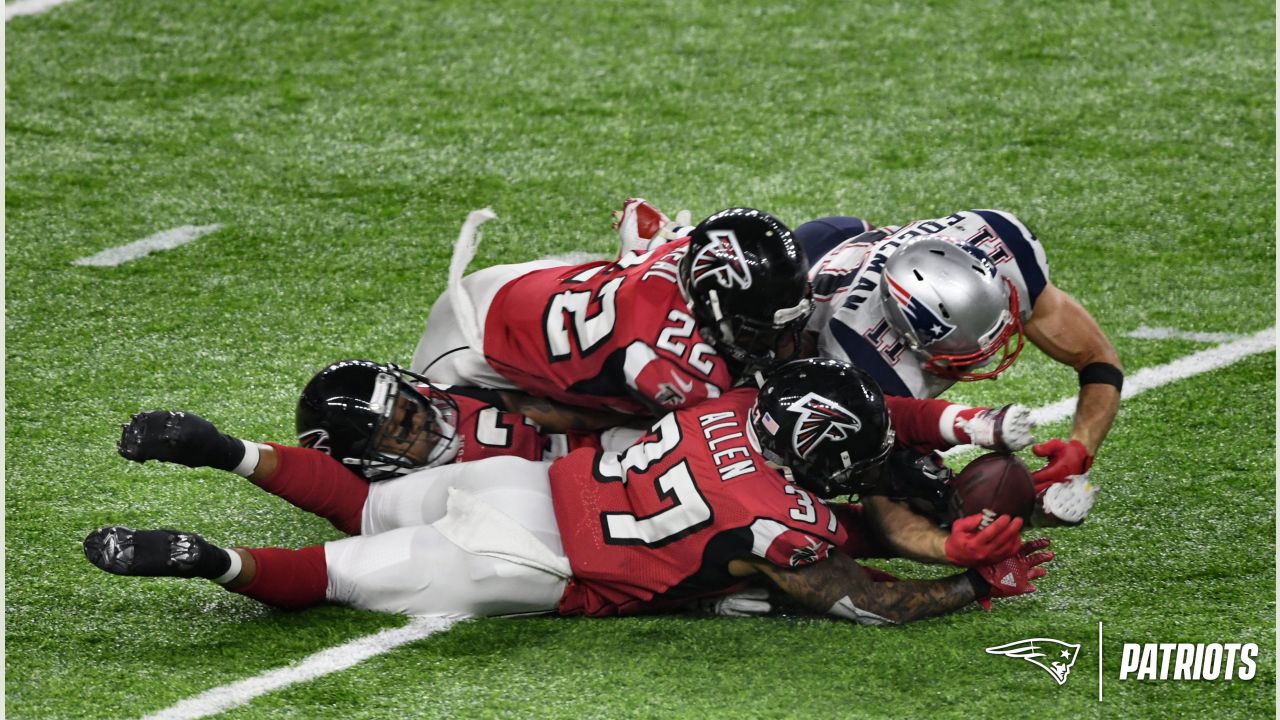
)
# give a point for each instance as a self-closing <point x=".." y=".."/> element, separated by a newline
<point x="178" y="437"/>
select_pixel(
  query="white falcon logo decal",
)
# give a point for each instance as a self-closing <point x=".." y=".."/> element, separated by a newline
<point x="722" y="258"/>
<point x="820" y="419"/>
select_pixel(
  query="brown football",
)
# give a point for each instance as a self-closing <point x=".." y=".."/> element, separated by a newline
<point x="998" y="482"/>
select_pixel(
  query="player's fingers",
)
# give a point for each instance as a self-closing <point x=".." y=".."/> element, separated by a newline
<point x="1040" y="558"/>
<point x="1037" y="573"/>
<point x="1047" y="448"/>
<point x="1031" y="546"/>
<point x="1007" y="549"/>
<point x="967" y="524"/>
<point x="996" y="528"/>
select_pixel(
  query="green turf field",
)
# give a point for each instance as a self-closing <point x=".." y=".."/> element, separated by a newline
<point x="341" y="145"/>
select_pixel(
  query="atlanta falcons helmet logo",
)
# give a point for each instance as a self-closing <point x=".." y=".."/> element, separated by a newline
<point x="316" y="440"/>
<point x="722" y="258"/>
<point x="820" y="419"/>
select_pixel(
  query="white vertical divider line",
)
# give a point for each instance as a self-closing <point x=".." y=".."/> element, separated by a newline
<point x="1099" y="661"/>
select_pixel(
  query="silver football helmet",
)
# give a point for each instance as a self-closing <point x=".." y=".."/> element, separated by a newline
<point x="945" y="298"/>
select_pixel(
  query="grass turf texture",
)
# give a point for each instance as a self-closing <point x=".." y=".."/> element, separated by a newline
<point x="342" y="144"/>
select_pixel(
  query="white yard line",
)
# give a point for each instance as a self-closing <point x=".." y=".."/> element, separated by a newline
<point x="344" y="656"/>
<point x="221" y="699"/>
<point x="1180" y="369"/>
<point x="1164" y="333"/>
<point x="29" y="7"/>
<point x="166" y="240"/>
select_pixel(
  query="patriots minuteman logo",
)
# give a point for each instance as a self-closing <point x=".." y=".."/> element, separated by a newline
<point x="1060" y="656"/>
<point x="722" y="259"/>
<point x="928" y="326"/>
<point x="820" y="419"/>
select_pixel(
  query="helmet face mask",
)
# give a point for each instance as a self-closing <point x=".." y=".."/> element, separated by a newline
<point x="827" y="421"/>
<point x="746" y="279"/>
<point x="368" y="417"/>
<point x="949" y="304"/>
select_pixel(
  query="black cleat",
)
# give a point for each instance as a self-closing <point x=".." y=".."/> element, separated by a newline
<point x="149" y="553"/>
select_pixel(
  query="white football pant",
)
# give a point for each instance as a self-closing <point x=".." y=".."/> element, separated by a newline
<point x="461" y="540"/>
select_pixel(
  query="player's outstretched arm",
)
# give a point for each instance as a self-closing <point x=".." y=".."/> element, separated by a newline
<point x="970" y="543"/>
<point x="556" y="418"/>
<point x="839" y="586"/>
<point x="1066" y="332"/>
<point x="187" y="439"/>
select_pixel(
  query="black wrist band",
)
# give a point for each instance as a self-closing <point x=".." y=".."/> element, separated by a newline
<point x="1100" y="373"/>
<point x="981" y="588"/>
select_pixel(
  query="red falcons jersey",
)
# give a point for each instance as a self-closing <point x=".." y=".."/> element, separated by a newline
<point x="651" y="528"/>
<point x="614" y="335"/>
<point x="485" y="431"/>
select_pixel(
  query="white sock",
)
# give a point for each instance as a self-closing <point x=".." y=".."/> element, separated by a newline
<point x="232" y="572"/>
<point x="249" y="462"/>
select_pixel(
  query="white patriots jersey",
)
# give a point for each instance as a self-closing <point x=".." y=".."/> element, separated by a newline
<point x="849" y="317"/>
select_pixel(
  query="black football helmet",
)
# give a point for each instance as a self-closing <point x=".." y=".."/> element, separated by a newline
<point x="367" y="416"/>
<point x="747" y="281"/>
<point x="827" y="421"/>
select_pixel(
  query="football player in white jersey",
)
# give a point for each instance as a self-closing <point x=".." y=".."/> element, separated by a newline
<point x="924" y="305"/>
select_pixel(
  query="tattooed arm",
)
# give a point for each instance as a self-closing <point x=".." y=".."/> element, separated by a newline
<point x="839" y="586"/>
<point x="557" y="418"/>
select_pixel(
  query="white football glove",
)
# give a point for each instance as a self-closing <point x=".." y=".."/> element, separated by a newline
<point x="752" y="602"/>
<point x="1006" y="430"/>
<point x="642" y="227"/>
<point x="1069" y="502"/>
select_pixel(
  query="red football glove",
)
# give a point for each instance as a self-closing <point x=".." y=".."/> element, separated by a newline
<point x="1013" y="576"/>
<point x="1065" y="459"/>
<point x="641" y="226"/>
<point x="971" y="545"/>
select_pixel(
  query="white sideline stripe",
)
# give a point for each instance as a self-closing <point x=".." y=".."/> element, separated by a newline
<point x="1163" y="333"/>
<point x="341" y="657"/>
<point x="166" y="240"/>
<point x="345" y="656"/>
<point x="29" y="7"/>
<point x="1153" y="377"/>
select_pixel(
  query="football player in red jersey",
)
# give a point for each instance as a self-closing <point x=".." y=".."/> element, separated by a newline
<point x="642" y="335"/>
<point x="692" y="510"/>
